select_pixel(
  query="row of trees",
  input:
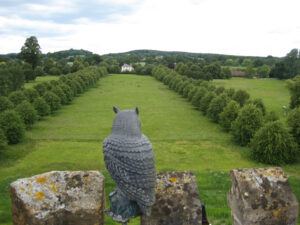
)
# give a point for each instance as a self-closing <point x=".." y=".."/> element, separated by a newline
<point x="246" y="119"/>
<point x="21" y="109"/>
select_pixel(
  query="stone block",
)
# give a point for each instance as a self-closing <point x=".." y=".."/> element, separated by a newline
<point x="177" y="200"/>
<point x="262" y="197"/>
<point x="59" y="198"/>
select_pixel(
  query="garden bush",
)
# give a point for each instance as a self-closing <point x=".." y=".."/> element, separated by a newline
<point x="198" y="96"/>
<point x="219" y="90"/>
<point x="3" y="140"/>
<point x="41" y="88"/>
<point x="249" y="120"/>
<point x="61" y="94"/>
<point x="27" y="113"/>
<point x="52" y="100"/>
<point x="259" y="104"/>
<point x="293" y="122"/>
<point x="12" y="126"/>
<point x="191" y="93"/>
<point x="241" y="97"/>
<point x="273" y="144"/>
<point x="205" y="101"/>
<point x="68" y="92"/>
<point x="216" y="107"/>
<point x="17" y="97"/>
<point x="229" y="114"/>
<point x="271" y="116"/>
<point x="31" y="94"/>
<point x="5" y="104"/>
<point x="41" y="106"/>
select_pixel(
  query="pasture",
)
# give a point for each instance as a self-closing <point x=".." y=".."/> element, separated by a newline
<point x="182" y="139"/>
<point x="272" y="91"/>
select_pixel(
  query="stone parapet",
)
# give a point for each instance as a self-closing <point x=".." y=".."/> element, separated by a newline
<point x="60" y="198"/>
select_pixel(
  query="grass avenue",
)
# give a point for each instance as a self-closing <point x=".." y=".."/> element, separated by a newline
<point x="183" y="140"/>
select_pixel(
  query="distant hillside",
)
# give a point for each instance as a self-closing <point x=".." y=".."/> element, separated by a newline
<point x="68" y="53"/>
<point x="151" y="53"/>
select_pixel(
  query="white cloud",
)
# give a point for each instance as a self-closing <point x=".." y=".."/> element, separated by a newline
<point x="227" y="27"/>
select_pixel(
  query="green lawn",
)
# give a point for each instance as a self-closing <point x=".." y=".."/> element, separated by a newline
<point x="182" y="139"/>
<point x="40" y="80"/>
<point x="273" y="92"/>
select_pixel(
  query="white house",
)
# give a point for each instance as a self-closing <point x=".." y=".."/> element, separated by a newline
<point x="127" y="67"/>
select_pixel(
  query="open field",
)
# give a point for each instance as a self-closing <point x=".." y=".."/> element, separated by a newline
<point x="272" y="91"/>
<point x="40" y="80"/>
<point x="182" y="138"/>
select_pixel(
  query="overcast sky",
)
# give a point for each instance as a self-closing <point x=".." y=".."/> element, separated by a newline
<point x="237" y="27"/>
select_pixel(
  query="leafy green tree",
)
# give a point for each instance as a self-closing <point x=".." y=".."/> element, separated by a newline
<point x="52" y="100"/>
<point x="259" y="104"/>
<point x="48" y="64"/>
<point x="250" y="71"/>
<point x="229" y="115"/>
<point x="249" y="120"/>
<point x="17" y="97"/>
<point x="12" y="126"/>
<point x="293" y="122"/>
<point x="219" y="90"/>
<point x="273" y="144"/>
<point x="28" y="72"/>
<point x="214" y="69"/>
<point x="27" y="113"/>
<point x="16" y="76"/>
<point x="41" y="88"/>
<point x="68" y="92"/>
<point x="31" y="94"/>
<point x="60" y="93"/>
<point x="31" y="52"/>
<point x="205" y="101"/>
<point x="226" y="73"/>
<point x="294" y="88"/>
<point x="241" y="96"/>
<point x="38" y="71"/>
<point x="216" y="107"/>
<point x="198" y="96"/>
<point x="3" y="139"/>
<point x="264" y="71"/>
<point x="41" y="106"/>
<point x="5" y="103"/>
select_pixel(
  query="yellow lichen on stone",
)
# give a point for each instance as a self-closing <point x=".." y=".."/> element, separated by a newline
<point x="41" y="180"/>
<point x="22" y="189"/>
<point x="39" y="195"/>
<point x="276" y="213"/>
<point x="86" y="180"/>
<point x="173" y="179"/>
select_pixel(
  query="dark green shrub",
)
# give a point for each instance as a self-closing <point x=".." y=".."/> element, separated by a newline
<point x="271" y="116"/>
<point x="191" y="93"/>
<point x="41" y="88"/>
<point x="293" y="122"/>
<point x="241" y="97"/>
<point x="230" y="92"/>
<point x="205" y="101"/>
<point x="249" y="120"/>
<point x="229" y="115"/>
<point x="68" y="92"/>
<point x="41" y="106"/>
<point x="219" y="90"/>
<point x="12" y="126"/>
<point x="60" y="93"/>
<point x="216" y="107"/>
<point x="273" y="144"/>
<point x="17" y="97"/>
<point x="182" y="87"/>
<point x="27" y="113"/>
<point x="198" y="96"/>
<point x="259" y="104"/>
<point x="31" y="94"/>
<point x="3" y="140"/>
<point x="5" y="104"/>
<point x="52" y="100"/>
<point x="186" y="90"/>
<point x="294" y="87"/>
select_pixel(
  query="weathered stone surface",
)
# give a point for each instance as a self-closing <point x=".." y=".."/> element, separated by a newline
<point x="60" y="198"/>
<point x="177" y="200"/>
<point x="262" y="197"/>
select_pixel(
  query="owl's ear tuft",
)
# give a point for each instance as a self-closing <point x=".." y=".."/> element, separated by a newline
<point x="116" y="110"/>
<point x="137" y="110"/>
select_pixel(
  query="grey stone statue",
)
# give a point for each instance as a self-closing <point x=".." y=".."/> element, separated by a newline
<point x="129" y="159"/>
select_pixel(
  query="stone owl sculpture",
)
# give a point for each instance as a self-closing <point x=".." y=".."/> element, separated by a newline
<point x="129" y="159"/>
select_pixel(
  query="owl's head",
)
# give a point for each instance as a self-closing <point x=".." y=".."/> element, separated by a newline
<point x="127" y="123"/>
